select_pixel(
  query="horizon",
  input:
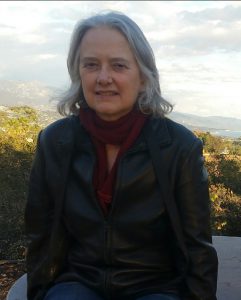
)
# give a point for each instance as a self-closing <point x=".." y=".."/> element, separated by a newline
<point x="196" y="44"/>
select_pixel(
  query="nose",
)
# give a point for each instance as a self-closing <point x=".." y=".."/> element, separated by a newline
<point x="104" y="76"/>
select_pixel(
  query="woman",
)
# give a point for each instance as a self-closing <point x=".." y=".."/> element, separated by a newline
<point x="118" y="204"/>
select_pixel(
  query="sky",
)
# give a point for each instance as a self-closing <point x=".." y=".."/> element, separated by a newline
<point x="197" y="45"/>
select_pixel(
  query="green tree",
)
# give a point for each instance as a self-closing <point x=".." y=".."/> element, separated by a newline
<point x="226" y="211"/>
<point x="212" y="144"/>
<point x="18" y="134"/>
<point x="225" y="170"/>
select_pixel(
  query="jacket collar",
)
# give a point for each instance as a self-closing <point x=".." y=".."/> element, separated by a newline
<point x="156" y="127"/>
<point x="75" y="134"/>
<point x="71" y="134"/>
<point x="159" y="128"/>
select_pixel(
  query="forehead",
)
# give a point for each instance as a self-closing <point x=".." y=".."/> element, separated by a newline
<point x="104" y="39"/>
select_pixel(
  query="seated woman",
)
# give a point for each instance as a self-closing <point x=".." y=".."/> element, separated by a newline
<point x="118" y="204"/>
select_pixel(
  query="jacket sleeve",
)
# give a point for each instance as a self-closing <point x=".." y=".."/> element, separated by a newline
<point x="193" y="202"/>
<point x="38" y="219"/>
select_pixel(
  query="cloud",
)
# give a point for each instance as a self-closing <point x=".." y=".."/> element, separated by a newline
<point x="209" y="30"/>
<point x="199" y="33"/>
<point x="228" y="13"/>
<point x="6" y="26"/>
<point x="72" y="12"/>
<point x="196" y="44"/>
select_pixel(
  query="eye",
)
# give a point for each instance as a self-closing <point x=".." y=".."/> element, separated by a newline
<point x="119" y="66"/>
<point x="90" y="65"/>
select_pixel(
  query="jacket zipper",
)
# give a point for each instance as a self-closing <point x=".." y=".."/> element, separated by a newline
<point x="107" y="257"/>
<point x="108" y="234"/>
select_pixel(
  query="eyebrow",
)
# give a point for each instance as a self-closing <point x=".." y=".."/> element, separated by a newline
<point x="120" y="59"/>
<point x="88" y="58"/>
<point x="114" y="59"/>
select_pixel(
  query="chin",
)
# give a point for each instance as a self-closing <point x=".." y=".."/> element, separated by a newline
<point x="106" y="111"/>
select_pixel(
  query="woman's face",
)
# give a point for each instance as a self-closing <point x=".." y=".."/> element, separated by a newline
<point x="110" y="76"/>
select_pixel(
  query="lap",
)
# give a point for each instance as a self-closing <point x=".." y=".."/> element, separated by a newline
<point x="71" y="291"/>
<point x="159" y="297"/>
<point x="77" y="291"/>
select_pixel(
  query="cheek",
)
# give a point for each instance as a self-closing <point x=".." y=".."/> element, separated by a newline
<point x="86" y="85"/>
<point x="87" y="79"/>
<point x="135" y="89"/>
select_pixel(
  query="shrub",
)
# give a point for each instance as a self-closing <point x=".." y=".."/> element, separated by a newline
<point x="226" y="211"/>
<point x="18" y="134"/>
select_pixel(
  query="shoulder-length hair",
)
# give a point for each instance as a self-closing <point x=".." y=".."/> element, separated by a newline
<point x="150" y="100"/>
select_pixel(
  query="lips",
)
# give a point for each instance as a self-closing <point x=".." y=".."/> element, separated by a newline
<point x="106" y="93"/>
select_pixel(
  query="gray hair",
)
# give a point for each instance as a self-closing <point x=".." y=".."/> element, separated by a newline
<point x="150" y="100"/>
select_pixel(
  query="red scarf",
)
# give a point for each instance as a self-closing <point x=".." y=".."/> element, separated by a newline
<point x="122" y="132"/>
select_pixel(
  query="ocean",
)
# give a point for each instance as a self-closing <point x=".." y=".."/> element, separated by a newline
<point x="226" y="133"/>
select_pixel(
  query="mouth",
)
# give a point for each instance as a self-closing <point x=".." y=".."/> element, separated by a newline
<point x="106" y="93"/>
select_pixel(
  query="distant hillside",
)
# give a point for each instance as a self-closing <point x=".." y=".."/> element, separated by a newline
<point x="36" y="95"/>
<point x="45" y="117"/>
<point x="206" y="123"/>
<point x="32" y="93"/>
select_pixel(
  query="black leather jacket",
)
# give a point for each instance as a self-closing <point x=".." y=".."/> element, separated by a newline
<point x="115" y="265"/>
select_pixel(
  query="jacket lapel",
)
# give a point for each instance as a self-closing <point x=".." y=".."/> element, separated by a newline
<point x="64" y="153"/>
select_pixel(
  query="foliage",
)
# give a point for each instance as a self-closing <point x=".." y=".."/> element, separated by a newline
<point x="18" y="134"/>
<point x="223" y="162"/>
<point x="225" y="170"/>
<point x="215" y="145"/>
<point x="235" y="147"/>
<point x="226" y="211"/>
<point x="212" y="144"/>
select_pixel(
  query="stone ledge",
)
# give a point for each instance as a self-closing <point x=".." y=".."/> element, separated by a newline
<point x="229" y="277"/>
<point x="229" y="271"/>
